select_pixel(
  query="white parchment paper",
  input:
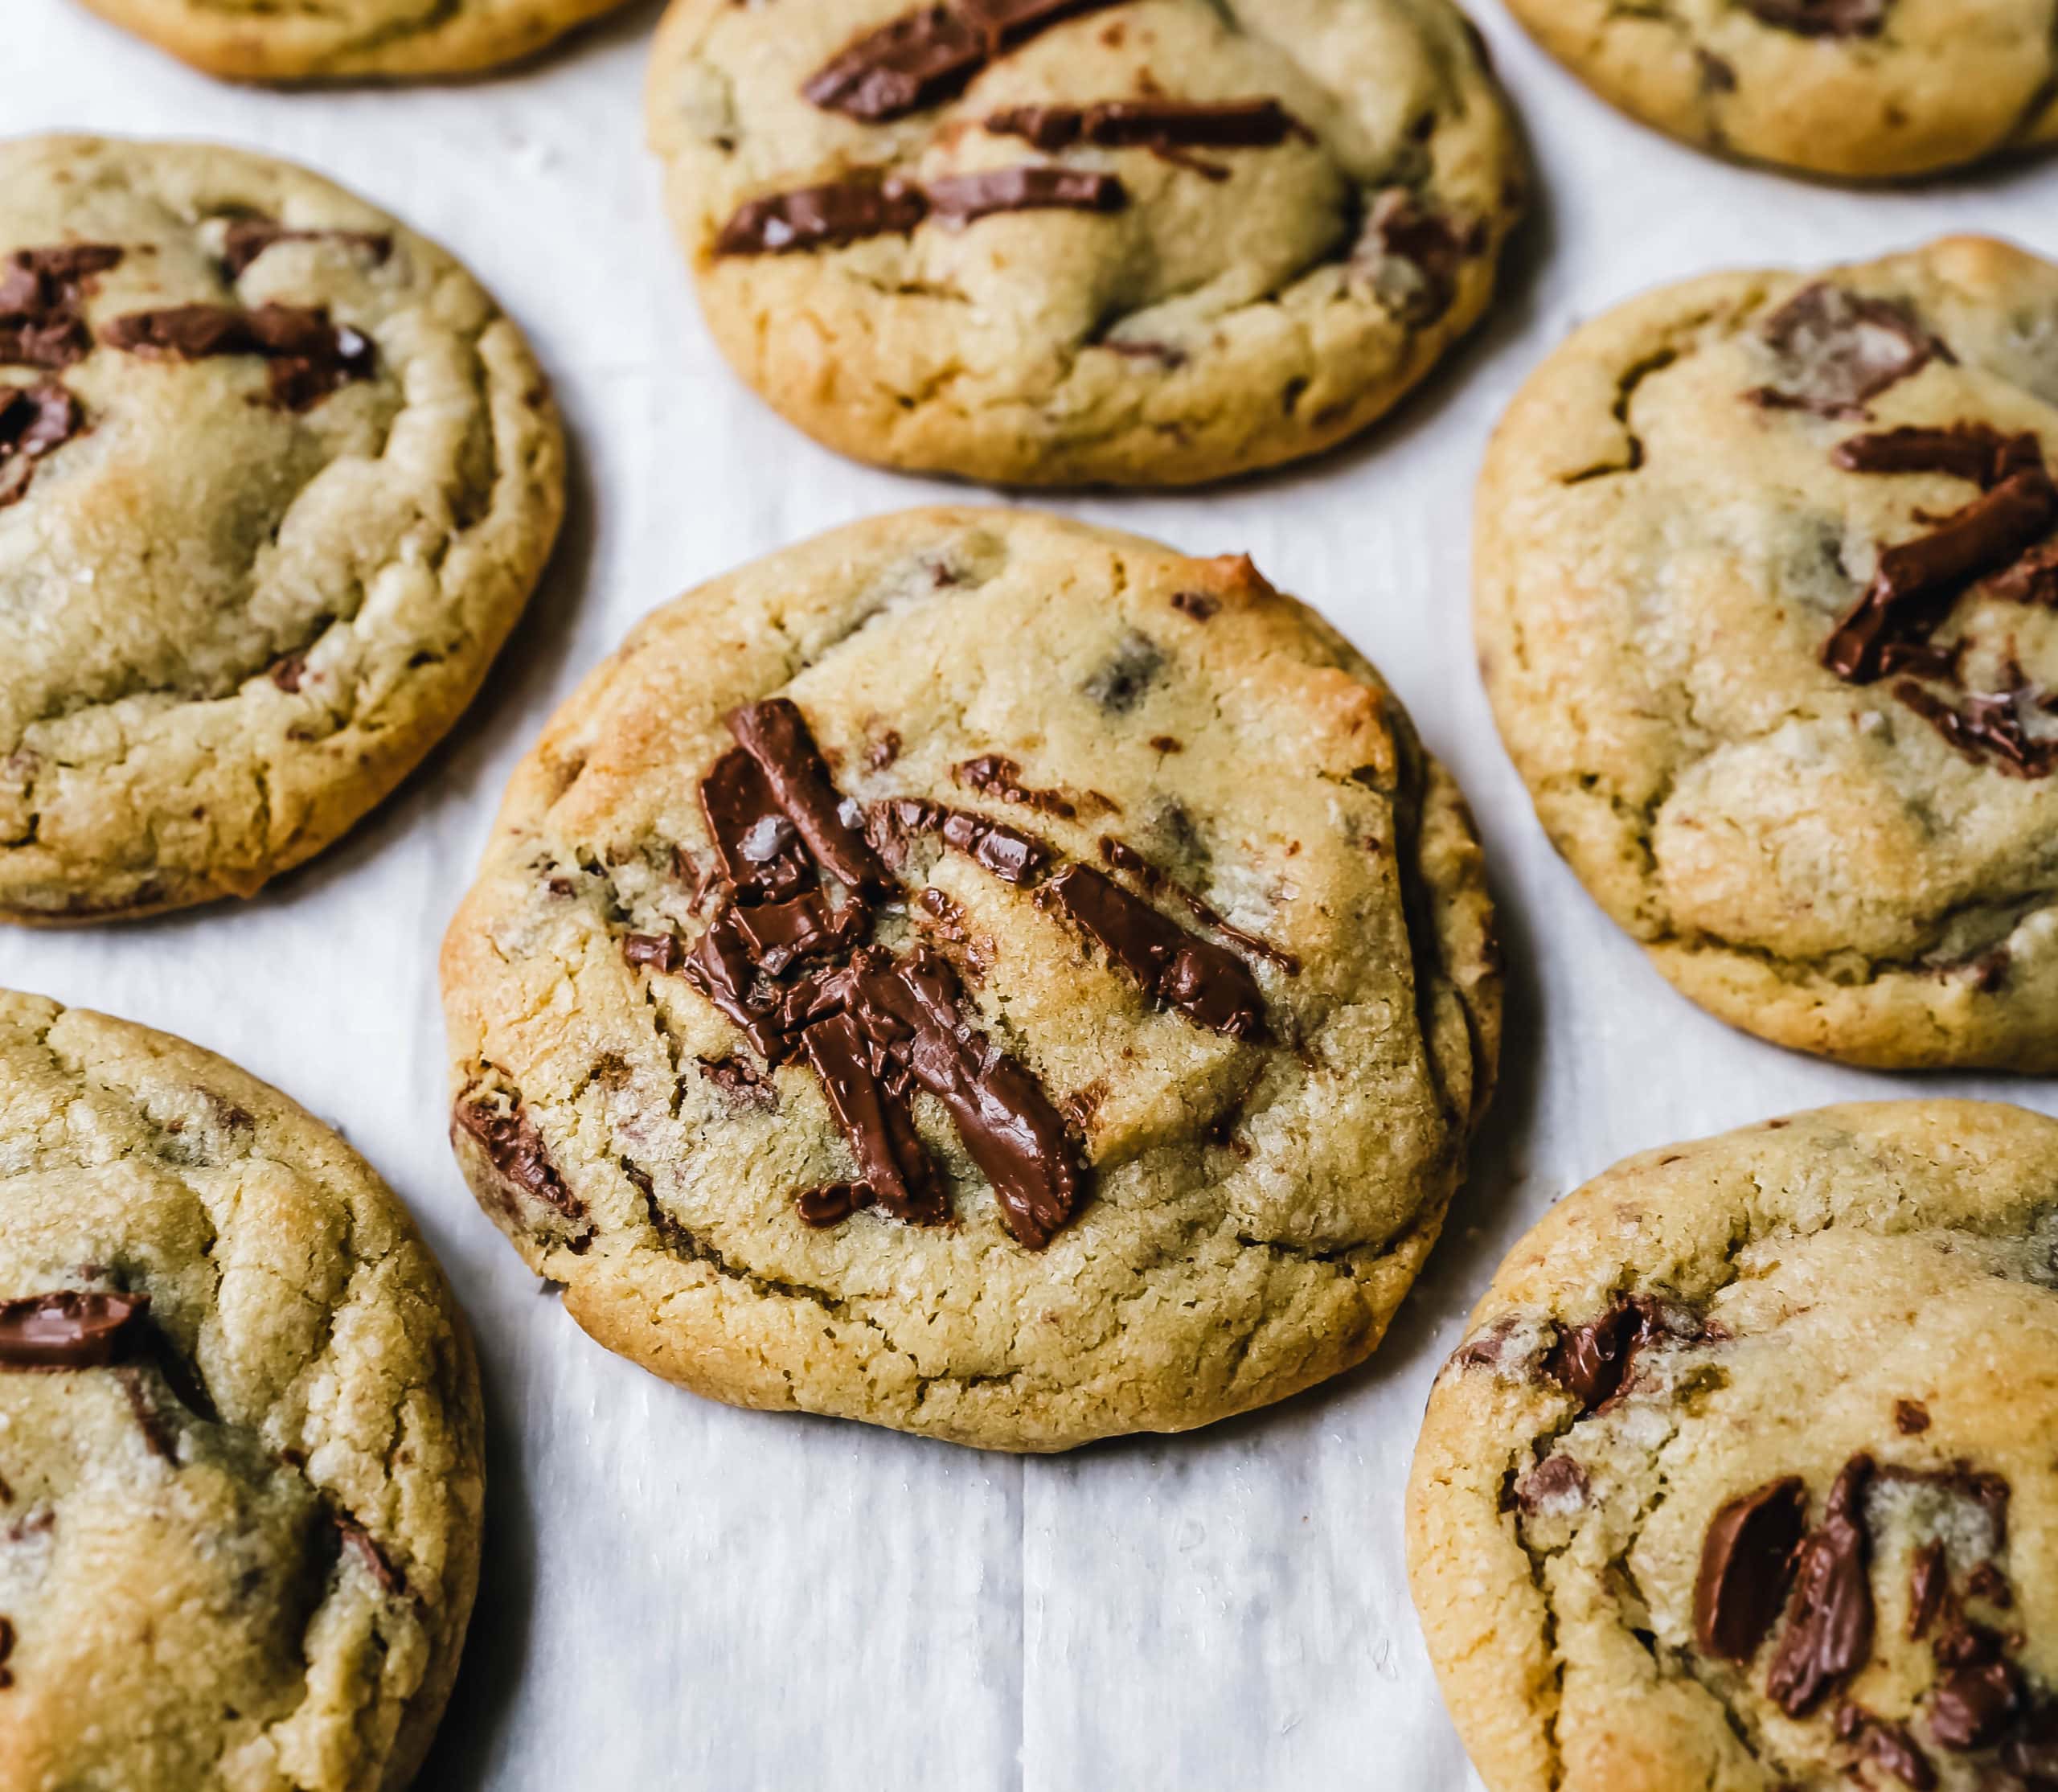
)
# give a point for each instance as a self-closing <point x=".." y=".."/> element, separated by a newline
<point x="676" y="1594"/>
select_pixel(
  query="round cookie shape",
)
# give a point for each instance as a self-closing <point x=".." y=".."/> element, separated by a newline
<point x="1855" y="89"/>
<point x="256" y="40"/>
<point x="980" y="975"/>
<point x="1765" y="568"/>
<point x="1742" y="1476"/>
<point x="276" y="480"/>
<point x="240" y="1444"/>
<point x="1058" y="242"/>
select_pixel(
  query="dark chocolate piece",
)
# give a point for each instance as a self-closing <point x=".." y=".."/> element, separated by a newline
<point x="1970" y="451"/>
<point x="1591" y="1362"/>
<point x="1820" y="17"/>
<point x="739" y="1079"/>
<point x="1202" y="981"/>
<point x="1199" y="605"/>
<point x="1745" y="1561"/>
<point x="515" y="1149"/>
<point x="992" y="775"/>
<point x="826" y="216"/>
<point x="1126" y="859"/>
<point x="781" y="934"/>
<point x="832" y="1202"/>
<point x="7" y="1652"/>
<point x="760" y="852"/>
<point x="966" y="198"/>
<point x="1911" y="1417"/>
<point x="73" y="1329"/>
<point x="775" y="735"/>
<point x="1928" y="1581"/>
<point x="41" y="291"/>
<point x="1842" y="350"/>
<point x="34" y="421"/>
<point x="1010" y="855"/>
<point x="891" y="1159"/>
<point x="1399" y="224"/>
<point x="1152" y="124"/>
<point x="1555" y="1480"/>
<point x="660" y="951"/>
<point x="1970" y="1707"/>
<point x="307" y="357"/>
<point x="1987" y="1581"/>
<point x="247" y="238"/>
<point x="928" y="53"/>
<point x="1828" y="1635"/>
<point x="1887" y="1744"/>
<point x="719" y="966"/>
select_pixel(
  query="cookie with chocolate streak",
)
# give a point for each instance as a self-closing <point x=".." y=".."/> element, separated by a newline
<point x="1062" y="1086"/>
<point x="1763" y="603"/>
<point x="1062" y="242"/>
<point x="1731" y="1562"/>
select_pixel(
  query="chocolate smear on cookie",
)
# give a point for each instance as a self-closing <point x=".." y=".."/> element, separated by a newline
<point x="1828" y="1634"/>
<point x="928" y="53"/>
<point x="42" y="323"/>
<point x="1842" y="350"/>
<point x="1746" y="1561"/>
<point x="307" y="357"/>
<point x="73" y="1329"/>
<point x="775" y="734"/>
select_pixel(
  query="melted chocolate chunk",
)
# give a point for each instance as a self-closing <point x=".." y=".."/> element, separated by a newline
<point x="34" y="421"/>
<point x="1435" y="245"/>
<point x="966" y="198"/>
<point x="1010" y="855"/>
<point x="826" y="216"/>
<point x="1911" y="1417"/>
<point x="2032" y="1751"/>
<point x="775" y="735"/>
<point x="1591" y="1362"/>
<point x="307" y="357"/>
<point x="659" y="952"/>
<point x="1988" y="729"/>
<point x="1917" y="581"/>
<point x="1745" y="1561"/>
<point x="515" y="1149"/>
<point x="1971" y="1706"/>
<point x="1842" y="350"/>
<point x="1820" y="17"/>
<point x="891" y="1159"/>
<point x="1987" y="1581"/>
<point x="1970" y="451"/>
<point x="1203" y="982"/>
<point x="247" y="238"/>
<point x="758" y="851"/>
<point x="928" y="53"/>
<point x="719" y="966"/>
<point x="7" y="1652"/>
<point x="41" y="292"/>
<point x="1125" y="859"/>
<point x="780" y="934"/>
<point x="1152" y="124"/>
<point x="991" y="775"/>
<point x="1485" y="1351"/>
<point x="831" y="1204"/>
<point x="73" y="1329"/>
<point x="1828" y="1635"/>
<point x="1929" y="1581"/>
<point x="1887" y="1744"/>
<point x="1557" y="1482"/>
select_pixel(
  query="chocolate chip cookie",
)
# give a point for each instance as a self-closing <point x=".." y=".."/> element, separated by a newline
<point x="262" y="40"/>
<point x="240" y="1438"/>
<point x="1862" y="89"/>
<point x="275" y="479"/>
<point x="981" y="975"/>
<point x="1743" y="1477"/>
<point x="1767" y="604"/>
<point x="1062" y="241"/>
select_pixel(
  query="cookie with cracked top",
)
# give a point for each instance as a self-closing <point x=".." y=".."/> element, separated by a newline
<point x="1742" y="1475"/>
<point x="276" y="480"/>
<point x="240" y="1443"/>
<point x="1059" y="242"/>
<point x="980" y="975"/>
<point x="1855" y="89"/>
<point x="260" y="40"/>
<point x="1766" y="599"/>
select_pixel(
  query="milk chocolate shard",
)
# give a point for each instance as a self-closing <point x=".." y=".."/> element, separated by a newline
<point x="34" y="421"/>
<point x="515" y="1149"/>
<point x="1828" y="1635"/>
<point x="73" y="1329"/>
<point x="1842" y="350"/>
<point x="42" y="323"/>
<point x="928" y="53"/>
<point x="777" y="735"/>
<point x="1152" y="124"/>
<point x="307" y="356"/>
<point x="841" y="212"/>
<point x="1746" y="1559"/>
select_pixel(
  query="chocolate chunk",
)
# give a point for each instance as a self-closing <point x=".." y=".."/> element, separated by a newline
<point x="1557" y="1482"/>
<point x="515" y="1149"/>
<point x="884" y="751"/>
<point x="832" y="1202"/>
<point x="34" y="421"/>
<point x="247" y="238"/>
<point x="779" y="934"/>
<point x="1828" y="1635"/>
<point x="928" y="53"/>
<point x="1842" y="350"/>
<point x="660" y="951"/>
<point x="738" y="1078"/>
<point x="1820" y="17"/>
<point x="891" y="1159"/>
<point x="1591" y="1362"/>
<point x="1127" y="859"/>
<point x="966" y="198"/>
<point x="991" y="775"/>
<point x="307" y="357"/>
<point x="41" y="292"/>
<point x="1010" y="855"/>
<point x="2033" y="578"/>
<point x="1401" y="227"/>
<point x="1485" y="1351"/>
<point x="826" y="216"/>
<point x="1928" y="1581"/>
<point x="760" y="852"/>
<point x="1118" y="684"/>
<point x="73" y="1329"/>
<point x="1970" y="1707"/>
<point x="361" y="1544"/>
<point x="775" y="735"/>
<point x="1203" y="982"/>
<point x="1888" y="1745"/>
<point x="1970" y="451"/>
<point x="1199" y="605"/>
<point x="719" y="966"/>
<point x="6" y="1652"/>
<point x="1917" y="581"/>
<point x="1153" y="124"/>
<point x="1989" y="729"/>
<point x="1911" y="1417"/>
<point x="1745" y="1560"/>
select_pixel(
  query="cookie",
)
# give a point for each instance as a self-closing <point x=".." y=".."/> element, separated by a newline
<point x="1054" y="242"/>
<point x="980" y="975"/>
<point x="1742" y="1477"/>
<point x="1860" y="89"/>
<point x="1765" y="568"/>
<point x="275" y="479"/>
<point x="240" y="1449"/>
<point x="259" y="40"/>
